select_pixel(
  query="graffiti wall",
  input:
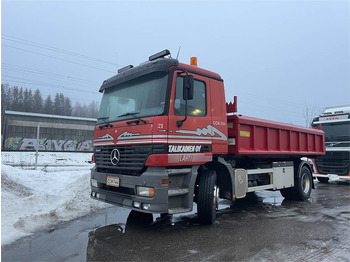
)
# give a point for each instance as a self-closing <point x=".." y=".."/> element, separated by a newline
<point x="19" y="143"/>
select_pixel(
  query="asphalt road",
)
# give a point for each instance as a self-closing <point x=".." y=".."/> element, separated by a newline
<point x="262" y="227"/>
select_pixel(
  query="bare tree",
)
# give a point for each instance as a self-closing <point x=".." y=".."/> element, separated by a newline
<point x="310" y="112"/>
<point x="93" y="109"/>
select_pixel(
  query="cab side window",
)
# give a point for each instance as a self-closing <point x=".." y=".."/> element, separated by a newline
<point x="195" y="107"/>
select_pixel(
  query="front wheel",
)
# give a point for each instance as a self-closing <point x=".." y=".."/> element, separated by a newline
<point x="208" y="197"/>
<point x="139" y="218"/>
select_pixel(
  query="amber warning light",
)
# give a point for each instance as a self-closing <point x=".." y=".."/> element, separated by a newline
<point x="194" y="61"/>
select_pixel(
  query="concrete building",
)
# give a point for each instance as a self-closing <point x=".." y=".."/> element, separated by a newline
<point x="20" y="131"/>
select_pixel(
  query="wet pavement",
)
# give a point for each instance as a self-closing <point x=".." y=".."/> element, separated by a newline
<point x="261" y="227"/>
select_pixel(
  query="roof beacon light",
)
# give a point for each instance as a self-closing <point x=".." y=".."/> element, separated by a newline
<point x="159" y="55"/>
<point x="193" y="61"/>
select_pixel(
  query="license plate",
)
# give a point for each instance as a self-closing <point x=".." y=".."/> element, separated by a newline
<point x="333" y="177"/>
<point x="113" y="181"/>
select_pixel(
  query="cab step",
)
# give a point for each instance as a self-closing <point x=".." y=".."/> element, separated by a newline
<point x="179" y="210"/>
<point x="177" y="191"/>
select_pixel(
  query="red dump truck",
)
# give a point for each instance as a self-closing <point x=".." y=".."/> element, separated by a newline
<point x="166" y="138"/>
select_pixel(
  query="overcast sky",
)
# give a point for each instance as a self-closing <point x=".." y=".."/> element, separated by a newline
<point x="278" y="57"/>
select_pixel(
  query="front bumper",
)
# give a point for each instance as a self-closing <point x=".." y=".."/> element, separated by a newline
<point x="332" y="176"/>
<point x="125" y="194"/>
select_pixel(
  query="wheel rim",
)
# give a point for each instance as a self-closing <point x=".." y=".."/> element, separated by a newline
<point x="305" y="183"/>
<point x="216" y="197"/>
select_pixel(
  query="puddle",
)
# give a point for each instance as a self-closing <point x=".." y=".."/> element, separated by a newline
<point x="261" y="223"/>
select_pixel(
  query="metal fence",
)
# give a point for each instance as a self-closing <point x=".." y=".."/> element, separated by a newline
<point x="47" y="161"/>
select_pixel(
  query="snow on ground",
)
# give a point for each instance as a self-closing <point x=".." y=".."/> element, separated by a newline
<point x="33" y="200"/>
<point x="47" y="161"/>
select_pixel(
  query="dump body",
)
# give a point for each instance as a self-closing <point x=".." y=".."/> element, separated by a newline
<point x="250" y="136"/>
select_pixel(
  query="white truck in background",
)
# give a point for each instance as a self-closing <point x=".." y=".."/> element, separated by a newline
<point x="335" y="164"/>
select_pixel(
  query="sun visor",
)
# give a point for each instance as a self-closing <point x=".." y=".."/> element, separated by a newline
<point x="159" y="65"/>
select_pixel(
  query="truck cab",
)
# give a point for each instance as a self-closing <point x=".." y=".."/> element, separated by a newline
<point x="335" y="164"/>
<point x="157" y="123"/>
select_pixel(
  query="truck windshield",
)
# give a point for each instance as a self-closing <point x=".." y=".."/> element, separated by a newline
<point x="143" y="96"/>
<point x="337" y="131"/>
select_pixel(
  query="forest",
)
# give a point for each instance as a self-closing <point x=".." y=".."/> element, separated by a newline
<point x="26" y="100"/>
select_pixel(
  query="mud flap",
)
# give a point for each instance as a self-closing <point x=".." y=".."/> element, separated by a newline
<point x="241" y="183"/>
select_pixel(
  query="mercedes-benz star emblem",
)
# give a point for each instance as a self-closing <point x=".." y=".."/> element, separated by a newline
<point x="115" y="157"/>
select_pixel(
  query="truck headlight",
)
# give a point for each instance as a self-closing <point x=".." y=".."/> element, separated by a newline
<point x="145" y="191"/>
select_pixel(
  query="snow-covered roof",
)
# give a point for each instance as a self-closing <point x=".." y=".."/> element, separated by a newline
<point x="8" y="112"/>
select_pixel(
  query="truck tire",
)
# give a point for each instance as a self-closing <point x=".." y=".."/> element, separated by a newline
<point x="287" y="193"/>
<point x="303" y="185"/>
<point x="208" y="197"/>
<point x="139" y="218"/>
<point x="323" y="179"/>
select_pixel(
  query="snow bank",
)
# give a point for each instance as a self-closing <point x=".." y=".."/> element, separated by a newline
<point x="34" y="200"/>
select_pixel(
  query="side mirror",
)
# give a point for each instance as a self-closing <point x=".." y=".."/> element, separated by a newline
<point x="188" y="87"/>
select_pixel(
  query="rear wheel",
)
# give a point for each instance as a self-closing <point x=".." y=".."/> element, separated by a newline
<point x="208" y="197"/>
<point x="323" y="179"/>
<point x="303" y="184"/>
<point x="287" y="193"/>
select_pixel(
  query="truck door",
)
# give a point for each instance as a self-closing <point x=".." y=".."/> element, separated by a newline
<point x="191" y="142"/>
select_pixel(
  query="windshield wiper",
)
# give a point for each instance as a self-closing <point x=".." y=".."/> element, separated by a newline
<point x="104" y="119"/>
<point x="134" y="114"/>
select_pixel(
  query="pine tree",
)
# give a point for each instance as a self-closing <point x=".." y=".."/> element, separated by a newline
<point x="9" y="97"/>
<point x="25" y="100"/>
<point x="48" y="105"/>
<point x="62" y="106"/>
<point x="15" y="99"/>
<point x="3" y="100"/>
<point x="28" y="100"/>
<point x="57" y="104"/>
<point x="38" y="102"/>
<point x="67" y="107"/>
<point x="31" y="99"/>
<point x="20" y="100"/>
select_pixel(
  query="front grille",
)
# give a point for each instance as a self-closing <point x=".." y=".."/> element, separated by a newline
<point x="132" y="158"/>
<point x="334" y="163"/>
